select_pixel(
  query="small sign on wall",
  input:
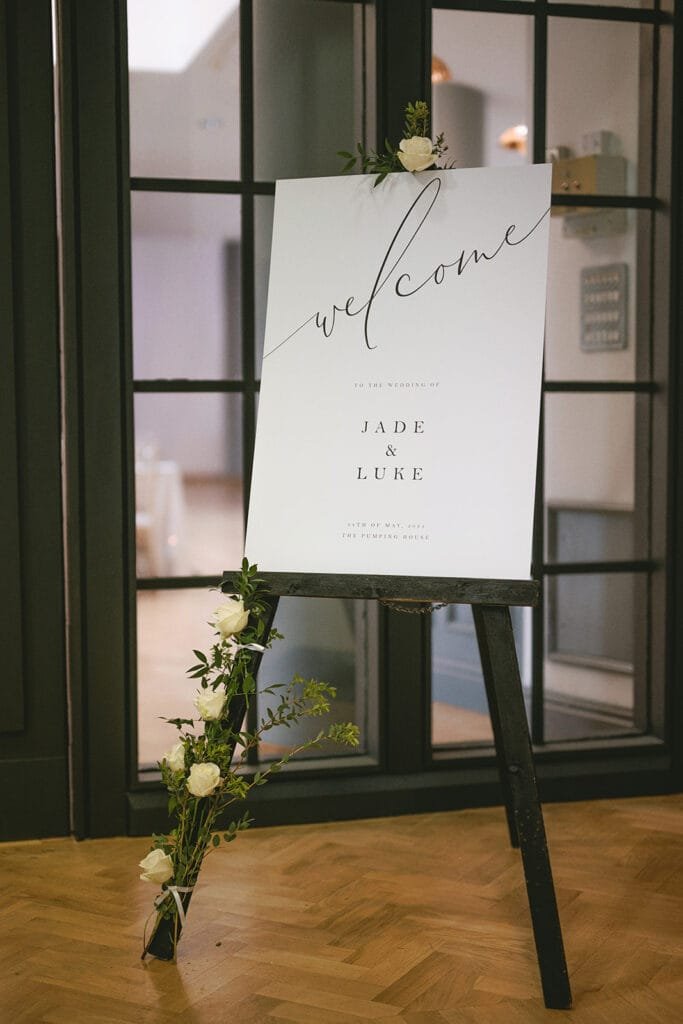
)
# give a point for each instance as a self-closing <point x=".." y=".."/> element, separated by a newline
<point x="603" y="307"/>
<point x="399" y="406"/>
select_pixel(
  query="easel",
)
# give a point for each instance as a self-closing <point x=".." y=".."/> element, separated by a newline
<point x="491" y="601"/>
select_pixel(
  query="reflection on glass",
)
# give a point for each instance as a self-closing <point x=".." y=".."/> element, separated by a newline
<point x="590" y="651"/>
<point x="584" y="534"/>
<point x="171" y="624"/>
<point x="186" y="267"/>
<point x="263" y="233"/>
<point x="485" y="107"/>
<point x="591" y="326"/>
<point x="593" y="107"/>
<point x="184" y="73"/>
<point x="188" y="484"/>
<point x="327" y="640"/>
<point x="460" y="711"/>
<point x="593" y="505"/>
<point x="308" y="94"/>
<point x="324" y="640"/>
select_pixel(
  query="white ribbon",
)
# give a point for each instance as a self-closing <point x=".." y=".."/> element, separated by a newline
<point x="259" y="648"/>
<point x="174" y="890"/>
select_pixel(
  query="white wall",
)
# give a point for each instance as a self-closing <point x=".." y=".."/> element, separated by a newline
<point x="185" y="324"/>
<point x="492" y="55"/>
<point x="593" y="84"/>
<point x="185" y="122"/>
<point x="304" y="96"/>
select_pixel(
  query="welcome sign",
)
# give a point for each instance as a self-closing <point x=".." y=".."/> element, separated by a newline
<point x="398" y="418"/>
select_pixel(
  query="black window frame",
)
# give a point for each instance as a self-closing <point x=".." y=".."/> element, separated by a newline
<point x="409" y="775"/>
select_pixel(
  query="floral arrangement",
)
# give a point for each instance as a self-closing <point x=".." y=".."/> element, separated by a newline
<point x="198" y="771"/>
<point x="415" y="151"/>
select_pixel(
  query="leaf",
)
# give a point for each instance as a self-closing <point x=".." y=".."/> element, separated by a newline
<point x="200" y="657"/>
<point x="345" y="154"/>
<point x="216" y="840"/>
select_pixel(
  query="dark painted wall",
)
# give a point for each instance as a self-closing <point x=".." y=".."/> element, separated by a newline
<point x="33" y="720"/>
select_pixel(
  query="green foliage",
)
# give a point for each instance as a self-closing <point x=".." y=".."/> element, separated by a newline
<point x="370" y="162"/>
<point x="417" y="120"/>
<point x="224" y="743"/>
<point x="382" y="163"/>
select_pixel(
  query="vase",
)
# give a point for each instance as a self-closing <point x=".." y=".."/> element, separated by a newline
<point x="166" y="932"/>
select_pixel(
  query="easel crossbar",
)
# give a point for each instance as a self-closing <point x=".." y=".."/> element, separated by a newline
<point x="398" y="588"/>
<point x="490" y="600"/>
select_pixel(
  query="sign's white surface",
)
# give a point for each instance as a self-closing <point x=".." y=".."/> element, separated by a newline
<point x="398" y="416"/>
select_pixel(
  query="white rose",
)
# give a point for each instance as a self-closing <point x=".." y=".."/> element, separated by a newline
<point x="175" y="757"/>
<point x="157" y="867"/>
<point x="203" y="778"/>
<point x="230" y="618"/>
<point x="210" y="704"/>
<point x="416" y="153"/>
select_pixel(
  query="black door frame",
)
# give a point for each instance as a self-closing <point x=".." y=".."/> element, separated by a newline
<point x="33" y="723"/>
<point x="407" y="778"/>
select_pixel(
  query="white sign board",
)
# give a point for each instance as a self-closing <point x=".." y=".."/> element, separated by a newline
<point x="398" y="417"/>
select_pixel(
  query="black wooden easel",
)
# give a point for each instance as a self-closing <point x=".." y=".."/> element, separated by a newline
<point x="491" y="601"/>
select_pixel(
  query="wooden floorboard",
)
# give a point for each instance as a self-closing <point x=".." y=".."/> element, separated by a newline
<point x="412" y="920"/>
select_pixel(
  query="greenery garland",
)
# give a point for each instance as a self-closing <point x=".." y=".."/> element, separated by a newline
<point x="202" y="773"/>
<point x="415" y="151"/>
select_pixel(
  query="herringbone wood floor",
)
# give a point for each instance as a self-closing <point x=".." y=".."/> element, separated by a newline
<point x="420" y="920"/>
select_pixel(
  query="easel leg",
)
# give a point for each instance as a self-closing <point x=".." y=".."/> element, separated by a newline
<point x="497" y="728"/>
<point x="239" y="707"/>
<point x="515" y="761"/>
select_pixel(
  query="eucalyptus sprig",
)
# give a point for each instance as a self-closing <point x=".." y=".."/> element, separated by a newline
<point x="415" y="152"/>
<point x="204" y="774"/>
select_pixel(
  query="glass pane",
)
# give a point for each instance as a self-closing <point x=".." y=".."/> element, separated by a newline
<point x="594" y="508"/>
<point x="184" y="79"/>
<point x="188" y="484"/>
<point x="308" y="94"/>
<point x="593" y="326"/>
<point x="326" y="640"/>
<point x="186" y="267"/>
<point x="592" y="637"/>
<point x="482" y="87"/>
<point x="171" y="624"/>
<point x="460" y="711"/>
<point x="263" y="233"/>
<point x="589" y="535"/>
<point x="594" y="107"/>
